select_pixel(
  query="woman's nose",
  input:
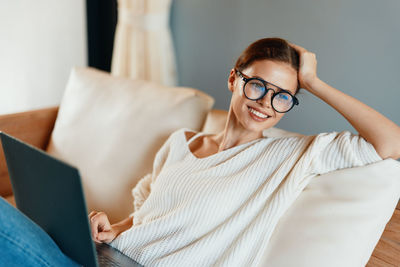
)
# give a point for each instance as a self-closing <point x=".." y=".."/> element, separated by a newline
<point x="266" y="100"/>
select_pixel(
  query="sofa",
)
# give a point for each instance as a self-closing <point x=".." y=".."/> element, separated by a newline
<point x="111" y="128"/>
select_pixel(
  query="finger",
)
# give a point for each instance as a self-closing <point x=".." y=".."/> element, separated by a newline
<point x="104" y="222"/>
<point x="100" y="224"/>
<point x="92" y="214"/>
<point x="298" y="48"/>
<point x="106" y="236"/>
<point x="94" y="223"/>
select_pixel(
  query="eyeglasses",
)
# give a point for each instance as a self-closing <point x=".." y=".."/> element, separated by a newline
<point x="255" y="88"/>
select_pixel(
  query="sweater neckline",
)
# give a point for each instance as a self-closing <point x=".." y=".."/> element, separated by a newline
<point x="215" y="154"/>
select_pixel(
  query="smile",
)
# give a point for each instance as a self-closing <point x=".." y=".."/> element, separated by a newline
<point x="258" y="116"/>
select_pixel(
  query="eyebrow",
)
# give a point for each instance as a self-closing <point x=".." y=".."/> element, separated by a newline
<point x="271" y="83"/>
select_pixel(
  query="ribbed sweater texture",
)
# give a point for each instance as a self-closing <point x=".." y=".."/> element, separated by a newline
<point x="221" y="210"/>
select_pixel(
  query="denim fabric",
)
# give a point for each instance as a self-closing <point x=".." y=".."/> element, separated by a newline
<point x="24" y="243"/>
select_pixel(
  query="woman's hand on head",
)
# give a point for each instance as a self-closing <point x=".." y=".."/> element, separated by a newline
<point x="308" y="67"/>
<point x="102" y="230"/>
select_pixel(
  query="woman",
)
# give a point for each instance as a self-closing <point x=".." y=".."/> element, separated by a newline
<point x="215" y="199"/>
<point x="217" y="202"/>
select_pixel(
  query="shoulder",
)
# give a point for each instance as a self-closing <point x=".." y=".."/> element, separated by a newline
<point x="183" y="131"/>
<point x="281" y="146"/>
<point x="186" y="132"/>
<point x="319" y="139"/>
<point x="285" y="139"/>
<point x="168" y="139"/>
<point x="179" y="134"/>
<point x="336" y="136"/>
<point x="189" y="134"/>
<point x="338" y="141"/>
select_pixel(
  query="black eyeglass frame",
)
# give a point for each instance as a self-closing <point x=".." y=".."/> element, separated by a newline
<point x="265" y="83"/>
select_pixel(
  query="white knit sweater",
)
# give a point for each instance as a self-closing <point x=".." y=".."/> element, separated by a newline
<point x="221" y="210"/>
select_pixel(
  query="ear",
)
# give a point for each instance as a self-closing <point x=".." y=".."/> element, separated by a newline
<point x="231" y="80"/>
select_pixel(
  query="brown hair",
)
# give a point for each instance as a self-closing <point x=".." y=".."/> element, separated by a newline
<point x="276" y="49"/>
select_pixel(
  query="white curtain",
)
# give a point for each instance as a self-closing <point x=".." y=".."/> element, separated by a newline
<point x="143" y="47"/>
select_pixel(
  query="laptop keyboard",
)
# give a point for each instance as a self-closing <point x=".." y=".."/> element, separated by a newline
<point x="108" y="256"/>
<point x="106" y="261"/>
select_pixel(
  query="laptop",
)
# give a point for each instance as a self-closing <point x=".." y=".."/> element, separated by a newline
<point x="45" y="190"/>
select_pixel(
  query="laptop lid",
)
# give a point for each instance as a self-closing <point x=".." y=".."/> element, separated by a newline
<point x="50" y="192"/>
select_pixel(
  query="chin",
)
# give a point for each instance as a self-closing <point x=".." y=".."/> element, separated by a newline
<point x="256" y="126"/>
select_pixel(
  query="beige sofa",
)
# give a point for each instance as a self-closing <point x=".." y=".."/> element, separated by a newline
<point x="36" y="127"/>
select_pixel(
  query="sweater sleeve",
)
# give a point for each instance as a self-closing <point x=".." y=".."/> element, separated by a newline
<point x="142" y="189"/>
<point x="343" y="150"/>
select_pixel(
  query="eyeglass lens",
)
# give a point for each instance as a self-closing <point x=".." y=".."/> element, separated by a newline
<point x="281" y="102"/>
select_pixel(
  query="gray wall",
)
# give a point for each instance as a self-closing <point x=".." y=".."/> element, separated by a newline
<point x="357" y="43"/>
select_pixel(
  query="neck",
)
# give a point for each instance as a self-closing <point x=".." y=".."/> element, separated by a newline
<point x="234" y="134"/>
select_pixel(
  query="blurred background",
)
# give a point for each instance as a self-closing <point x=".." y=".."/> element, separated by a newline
<point x="356" y="42"/>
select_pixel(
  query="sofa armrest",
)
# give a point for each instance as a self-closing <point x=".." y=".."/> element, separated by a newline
<point x="33" y="127"/>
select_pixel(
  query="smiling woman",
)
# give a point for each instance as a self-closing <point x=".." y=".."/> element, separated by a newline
<point x="264" y="85"/>
<point x="230" y="189"/>
<point x="215" y="200"/>
<point x="273" y="63"/>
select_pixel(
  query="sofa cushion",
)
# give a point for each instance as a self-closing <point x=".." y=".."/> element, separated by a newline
<point x="338" y="218"/>
<point x="110" y="128"/>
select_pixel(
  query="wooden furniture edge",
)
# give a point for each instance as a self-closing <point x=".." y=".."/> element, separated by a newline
<point x="33" y="127"/>
<point x="387" y="251"/>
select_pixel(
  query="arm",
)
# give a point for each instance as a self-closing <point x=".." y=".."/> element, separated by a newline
<point x="123" y="225"/>
<point x="102" y="230"/>
<point x="378" y="130"/>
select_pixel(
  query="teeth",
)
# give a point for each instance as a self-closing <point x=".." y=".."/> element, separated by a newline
<point x="258" y="113"/>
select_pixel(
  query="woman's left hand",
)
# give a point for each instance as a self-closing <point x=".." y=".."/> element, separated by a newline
<point x="308" y="67"/>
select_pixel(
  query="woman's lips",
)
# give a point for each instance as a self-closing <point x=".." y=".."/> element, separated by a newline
<point x="255" y="117"/>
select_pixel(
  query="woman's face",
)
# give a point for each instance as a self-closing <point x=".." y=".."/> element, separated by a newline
<point x="280" y="74"/>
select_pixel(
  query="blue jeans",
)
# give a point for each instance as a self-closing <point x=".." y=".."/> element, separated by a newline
<point x="24" y="243"/>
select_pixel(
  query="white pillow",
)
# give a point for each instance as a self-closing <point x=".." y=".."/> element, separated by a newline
<point x="338" y="218"/>
<point x="110" y="128"/>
